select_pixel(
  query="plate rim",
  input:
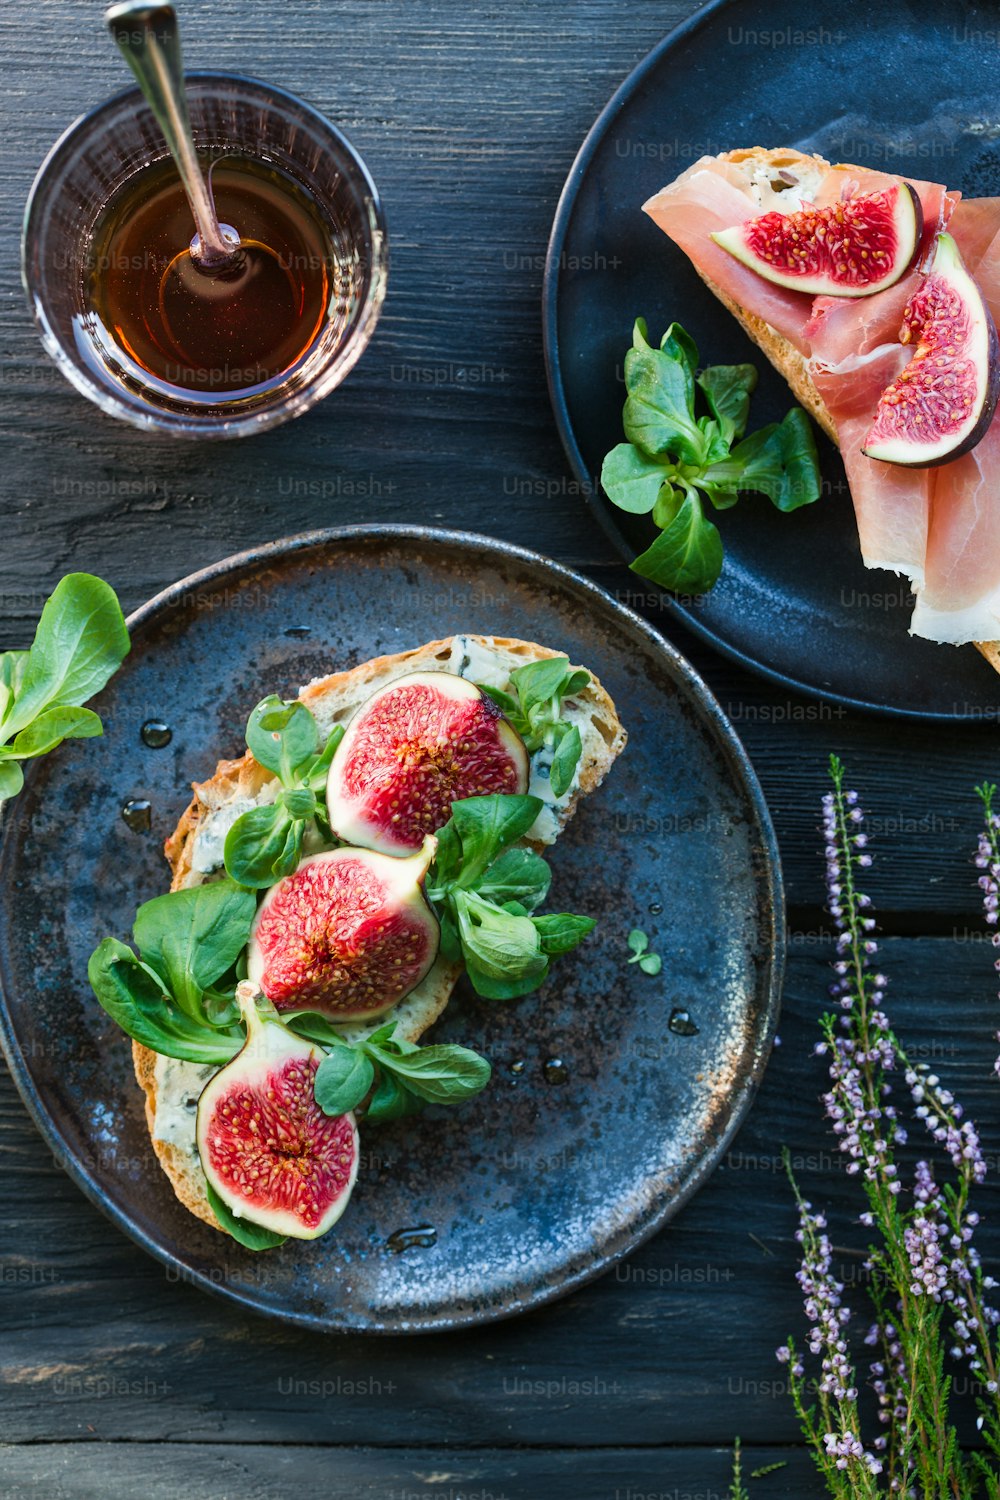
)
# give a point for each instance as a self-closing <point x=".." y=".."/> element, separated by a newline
<point x="557" y="394"/>
<point x="699" y="695"/>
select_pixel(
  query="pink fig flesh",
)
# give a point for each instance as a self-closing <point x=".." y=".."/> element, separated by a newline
<point x="847" y="249"/>
<point x="412" y="749"/>
<point x="266" y="1147"/>
<point x="349" y="934"/>
<point x="942" y="402"/>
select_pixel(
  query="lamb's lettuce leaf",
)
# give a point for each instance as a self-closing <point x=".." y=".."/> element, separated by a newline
<point x="676" y="456"/>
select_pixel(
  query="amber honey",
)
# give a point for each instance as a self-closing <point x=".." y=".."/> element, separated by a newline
<point x="214" y="332"/>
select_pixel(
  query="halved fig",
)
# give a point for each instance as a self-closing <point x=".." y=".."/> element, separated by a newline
<point x="348" y="934"/>
<point x="848" y="249"/>
<point x="942" y="403"/>
<point x="417" y="745"/>
<point x="266" y="1147"/>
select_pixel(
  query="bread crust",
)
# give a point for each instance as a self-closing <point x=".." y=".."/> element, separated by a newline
<point x="786" y="359"/>
<point x="784" y="356"/>
<point x="331" y="698"/>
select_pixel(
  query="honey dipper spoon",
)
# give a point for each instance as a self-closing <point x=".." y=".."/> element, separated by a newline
<point x="148" y="37"/>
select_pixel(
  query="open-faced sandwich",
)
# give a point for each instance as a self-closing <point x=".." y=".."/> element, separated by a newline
<point x="876" y="298"/>
<point x="380" y="836"/>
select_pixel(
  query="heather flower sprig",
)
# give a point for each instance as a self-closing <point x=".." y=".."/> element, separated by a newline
<point x="926" y="1283"/>
<point x="889" y="1379"/>
<point x="737" y="1490"/>
<point x="988" y="861"/>
<point x="964" y="1286"/>
<point x="862" y="1051"/>
<point x="831" y="1426"/>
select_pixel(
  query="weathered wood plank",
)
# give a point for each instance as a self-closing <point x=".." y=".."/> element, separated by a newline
<point x="204" y="1472"/>
<point x="469" y="118"/>
<point x="678" y="1340"/>
<point x="446" y="419"/>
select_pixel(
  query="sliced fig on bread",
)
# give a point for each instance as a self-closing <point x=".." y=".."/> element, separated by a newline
<point x="942" y="403"/>
<point x="267" y="1149"/>
<point x="847" y="249"/>
<point x="349" y="934"/>
<point x="412" y="749"/>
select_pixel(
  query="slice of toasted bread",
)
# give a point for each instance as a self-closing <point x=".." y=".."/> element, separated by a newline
<point x="785" y="358"/>
<point x="237" y="784"/>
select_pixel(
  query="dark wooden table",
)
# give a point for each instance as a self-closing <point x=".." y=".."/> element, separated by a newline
<point x="116" y="1383"/>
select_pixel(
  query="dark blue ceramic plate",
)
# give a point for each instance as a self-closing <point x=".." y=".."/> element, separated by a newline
<point x="910" y="87"/>
<point x="537" y="1186"/>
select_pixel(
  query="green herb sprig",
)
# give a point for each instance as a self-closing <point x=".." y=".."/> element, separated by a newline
<point x="638" y="942"/>
<point x="405" y="1077"/>
<point x="80" y="641"/>
<point x="265" y="843"/>
<point x="737" y="1490"/>
<point x="486" y="892"/>
<point x="177" y="996"/>
<point x="534" y="706"/>
<point x="676" y="457"/>
<point x="737" y="1487"/>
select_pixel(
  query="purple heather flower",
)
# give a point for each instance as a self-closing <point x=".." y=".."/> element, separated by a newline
<point x="922" y="1238"/>
<point x="943" y="1118"/>
<point x="941" y="1262"/>
<point x="889" y="1377"/>
<point x="784" y="1357"/>
<point x="848" y="1451"/>
<point x="989" y="884"/>
<point x="822" y="1297"/>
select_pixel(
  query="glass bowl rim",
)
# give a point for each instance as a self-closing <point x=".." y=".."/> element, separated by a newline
<point x="86" y="125"/>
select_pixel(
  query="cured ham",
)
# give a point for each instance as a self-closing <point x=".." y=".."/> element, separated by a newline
<point x="960" y="597"/>
<point x="891" y="505"/>
<point x="715" y="193"/>
<point x="938" y="527"/>
<point x="712" y="195"/>
<point x="853" y="354"/>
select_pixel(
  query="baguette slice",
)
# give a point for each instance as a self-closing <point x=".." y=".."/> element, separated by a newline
<point x="239" y="784"/>
<point x="786" y="359"/>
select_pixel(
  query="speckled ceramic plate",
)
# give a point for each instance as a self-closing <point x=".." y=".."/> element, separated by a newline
<point x="842" y="78"/>
<point x="537" y="1186"/>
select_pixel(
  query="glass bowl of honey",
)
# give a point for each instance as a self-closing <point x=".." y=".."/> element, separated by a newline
<point x="107" y="273"/>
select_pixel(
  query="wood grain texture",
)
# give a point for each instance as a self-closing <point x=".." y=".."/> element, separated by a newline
<point x="114" y="1382"/>
<point x="677" y="1341"/>
<point x="214" y="1472"/>
<point x="469" y="120"/>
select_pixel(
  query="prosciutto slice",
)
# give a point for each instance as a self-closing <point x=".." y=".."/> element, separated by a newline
<point x="939" y="527"/>
<point x="960" y="597"/>
<point x="854" y="353"/>
<point x="712" y="195"/>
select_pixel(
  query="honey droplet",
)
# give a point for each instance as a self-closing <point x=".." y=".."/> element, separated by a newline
<point x="420" y="1237"/>
<point x="156" y="734"/>
<point x="137" y="813"/>
<point x="681" y="1024"/>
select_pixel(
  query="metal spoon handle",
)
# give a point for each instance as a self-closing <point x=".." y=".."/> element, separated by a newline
<point x="149" y="39"/>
